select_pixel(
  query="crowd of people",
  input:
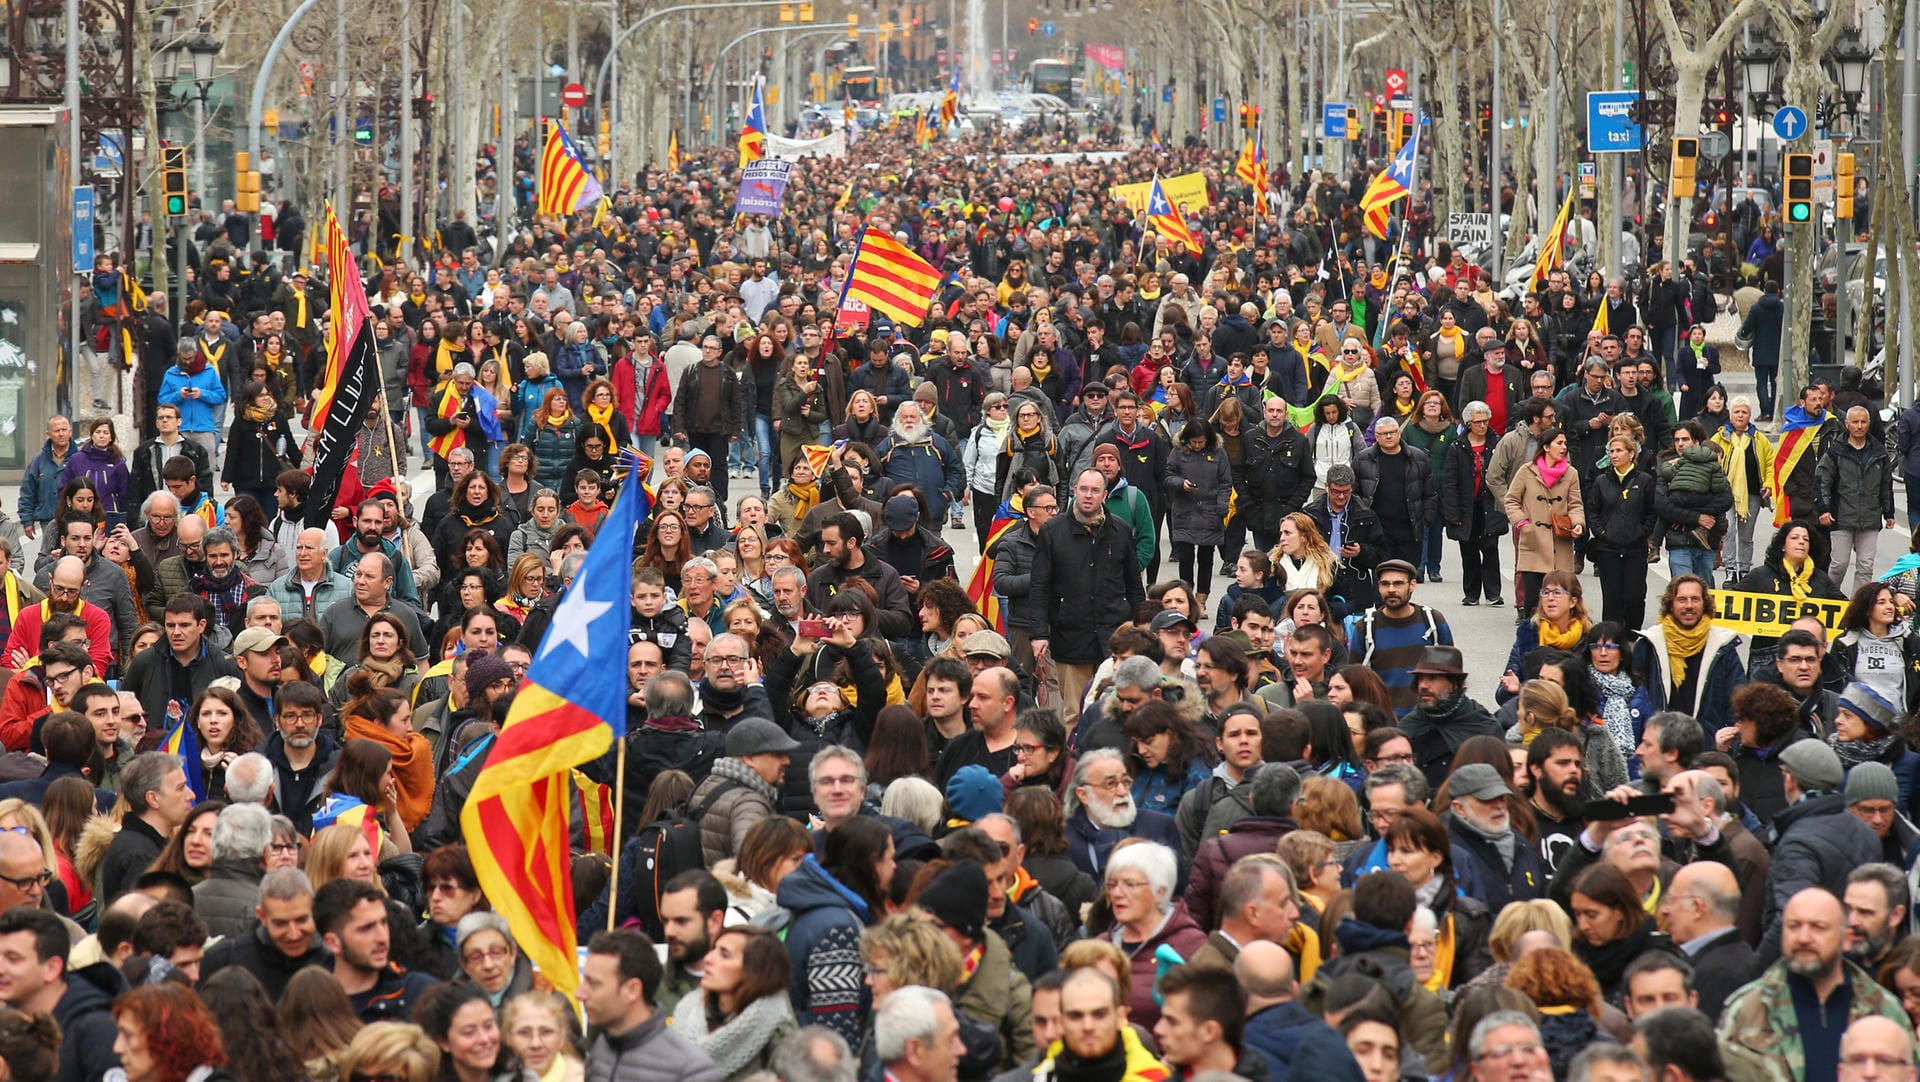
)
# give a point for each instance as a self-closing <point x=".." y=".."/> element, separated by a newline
<point x="1093" y="810"/>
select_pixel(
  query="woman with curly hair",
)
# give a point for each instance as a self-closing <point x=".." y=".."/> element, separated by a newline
<point x="167" y="1034"/>
<point x="250" y="1027"/>
<point x="1302" y="560"/>
<point x="603" y="416"/>
<point x="1569" y="1000"/>
<point x="1167" y="756"/>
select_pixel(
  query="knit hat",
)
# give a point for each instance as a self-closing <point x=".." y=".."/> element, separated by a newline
<point x="973" y="792"/>
<point x="1866" y="704"/>
<point x="1106" y="449"/>
<point x="957" y="897"/>
<point x="1872" y="781"/>
<point x="1814" y="766"/>
<point x="484" y="669"/>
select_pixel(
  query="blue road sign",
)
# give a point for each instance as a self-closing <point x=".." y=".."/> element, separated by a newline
<point x="83" y="230"/>
<point x="1611" y="128"/>
<point x="1049" y="29"/>
<point x="1219" y="110"/>
<point x="1333" y="120"/>
<point x="1790" y="122"/>
<point x="1166" y="94"/>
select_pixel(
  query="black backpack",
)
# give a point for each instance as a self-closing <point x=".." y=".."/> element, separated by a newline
<point x="661" y="850"/>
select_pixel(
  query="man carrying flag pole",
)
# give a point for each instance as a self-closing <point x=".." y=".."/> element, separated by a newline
<point x="565" y="183"/>
<point x="1395" y="182"/>
<point x="568" y="711"/>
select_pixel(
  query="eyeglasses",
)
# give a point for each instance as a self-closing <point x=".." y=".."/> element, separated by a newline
<point x="1607" y="647"/>
<point x="1115" y="784"/>
<point x="1553" y="591"/>
<point x="284" y="847"/>
<point x="723" y="660"/>
<point x="29" y="883"/>
<point x="1128" y="885"/>
<point x="64" y="674"/>
<point x="491" y="954"/>
<point x="691" y="506"/>
<point x="1028" y="749"/>
<point x="307" y="716"/>
<point x="1042" y="507"/>
<point x="23" y="829"/>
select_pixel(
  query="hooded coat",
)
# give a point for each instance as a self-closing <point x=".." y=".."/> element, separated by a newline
<point x="1199" y="487"/>
<point x="824" y="942"/>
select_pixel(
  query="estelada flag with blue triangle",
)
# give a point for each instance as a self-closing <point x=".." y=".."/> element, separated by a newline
<point x="183" y="740"/>
<point x="566" y="185"/>
<point x="753" y="134"/>
<point x="1165" y="219"/>
<point x="568" y="711"/>
<point x="1394" y="182"/>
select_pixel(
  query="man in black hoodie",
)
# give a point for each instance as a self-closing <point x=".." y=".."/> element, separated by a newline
<point x="33" y="977"/>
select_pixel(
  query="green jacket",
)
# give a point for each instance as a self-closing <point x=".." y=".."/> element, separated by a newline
<point x="1760" y="1036"/>
<point x="1129" y="505"/>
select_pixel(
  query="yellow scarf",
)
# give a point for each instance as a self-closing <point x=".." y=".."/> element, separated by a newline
<point x="1028" y="433"/>
<point x="1567" y="640"/>
<point x="300" y="309"/>
<point x="1041" y="367"/>
<point x="213" y="355"/>
<point x="445" y="358"/>
<point x="258" y="414"/>
<point x="603" y="416"/>
<point x="559" y="417"/>
<point x="1683" y="644"/>
<point x="804" y="498"/>
<point x="1800" y="581"/>
<point x="1345" y="375"/>
<point x="1456" y="337"/>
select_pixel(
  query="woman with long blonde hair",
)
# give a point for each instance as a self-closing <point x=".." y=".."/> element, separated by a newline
<point x="1302" y="560"/>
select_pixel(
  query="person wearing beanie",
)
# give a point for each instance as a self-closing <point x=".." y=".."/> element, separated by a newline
<point x="1873" y="796"/>
<point x="992" y="989"/>
<point x="1867" y="730"/>
<point x="972" y="794"/>
<point x="1124" y="501"/>
<point x="1819" y="843"/>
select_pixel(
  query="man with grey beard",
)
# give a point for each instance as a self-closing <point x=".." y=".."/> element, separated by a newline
<point x="1100" y="812"/>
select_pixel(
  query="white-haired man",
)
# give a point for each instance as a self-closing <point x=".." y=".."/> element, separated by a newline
<point x="1101" y="812"/>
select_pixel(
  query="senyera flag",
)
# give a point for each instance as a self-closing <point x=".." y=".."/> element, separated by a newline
<point x="890" y="279"/>
<point x="569" y="710"/>
<point x="352" y="381"/>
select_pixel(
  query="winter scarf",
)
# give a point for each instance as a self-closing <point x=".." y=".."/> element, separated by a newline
<point x="1567" y="640"/>
<point x="602" y="417"/>
<point x="804" y="497"/>
<point x="1503" y="841"/>
<point x="228" y="596"/>
<point x="1854" y="752"/>
<point x="1551" y="472"/>
<point x="384" y="673"/>
<point x="259" y="414"/>
<point x="739" y="1040"/>
<point x="1799" y="581"/>
<point x="412" y="765"/>
<point x="1616" y="689"/>
<point x="1683" y="644"/>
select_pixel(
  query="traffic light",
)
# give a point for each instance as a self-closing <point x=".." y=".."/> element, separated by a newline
<point x="1723" y="117"/>
<point x="1486" y="122"/>
<point x="1353" y="123"/>
<point x="1799" y="187"/>
<point x="853" y="27"/>
<point x="1406" y="128"/>
<point x="1843" y="186"/>
<point x="1033" y="27"/>
<point x="1379" y="119"/>
<point x="1680" y="173"/>
<point x="173" y="180"/>
<point x="786" y="13"/>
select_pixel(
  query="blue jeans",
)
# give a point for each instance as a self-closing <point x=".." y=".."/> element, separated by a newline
<point x="1764" y="383"/>
<point x="1662" y="341"/>
<point x="763" y="434"/>
<point x="1690" y="561"/>
<point x="1432" y="543"/>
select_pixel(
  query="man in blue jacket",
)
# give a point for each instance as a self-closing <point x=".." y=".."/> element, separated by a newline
<point x="1296" y="1043"/>
<point x="40" y="488"/>
<point x="194" y="385"/>
<point x="1101" y="812"/>
<point x="913" y="454"/>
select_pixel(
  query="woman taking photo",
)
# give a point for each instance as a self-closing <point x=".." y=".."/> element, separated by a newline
<point x="741" y="1010"/>
<point x="800" y="407"/>
<point x="1168" y="756"/>
<point x="1746" y="453"/>
<point x="1611" y="926"/>
<point x="1559" y="622"/>
<point x="166" y="1034"/>
<point x="1419" y="850"/>
<point x="1199" y="484"/>
<point x="1544" y="505"/>
<point x="1471" y="509"/>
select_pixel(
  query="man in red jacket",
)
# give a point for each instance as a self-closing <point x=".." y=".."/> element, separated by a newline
<point x="63" y="595"/>
<point x="644" y="393"/>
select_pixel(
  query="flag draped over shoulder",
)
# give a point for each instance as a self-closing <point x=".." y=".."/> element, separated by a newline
<point x="568" y="711"/>
<point x="980" y="587"/>
<point x="1165" y="219"/>
<point x="889" y="278"/>
<point x="1394" y="182"/>
<point x="1799" y="436"/>
<point x="352" y="377"/>
<point x="565" y="183"/>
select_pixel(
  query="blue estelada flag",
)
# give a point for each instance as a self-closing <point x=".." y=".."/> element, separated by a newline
<point x="183" y="741"/>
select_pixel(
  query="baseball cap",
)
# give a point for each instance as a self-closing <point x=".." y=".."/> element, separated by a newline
<point x="254" y="640"/>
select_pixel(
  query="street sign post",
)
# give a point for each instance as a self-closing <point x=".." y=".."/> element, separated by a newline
<point x="1823" y="159"/>
<point x="1219" y="110"/>
<point x="573" y="96"/>
<point x="1588" y="181"/>
<point x="1049" y="29"/>
<point x="1611" y="128"/>
<point x="1333" y="120"/>
<point x="1790" y="123"/>
<point x="1396" y="82"/>
<point x="83" y="230"/>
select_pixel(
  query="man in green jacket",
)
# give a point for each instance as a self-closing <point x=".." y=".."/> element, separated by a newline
<point x="1127" y="503"/>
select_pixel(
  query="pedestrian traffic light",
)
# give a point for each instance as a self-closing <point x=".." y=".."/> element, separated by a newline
<point x="173" y="180"/>
<point x="1799" y="206"/>
<point x="1680" y="171"/>
<point x="1843" y="186"/>
<point x="1379" y="119"/>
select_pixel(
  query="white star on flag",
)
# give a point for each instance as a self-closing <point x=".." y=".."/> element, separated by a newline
<point x="576" y="613"/>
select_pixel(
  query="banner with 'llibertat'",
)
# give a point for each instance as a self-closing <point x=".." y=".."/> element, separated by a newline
<point x="1770" y="615"/>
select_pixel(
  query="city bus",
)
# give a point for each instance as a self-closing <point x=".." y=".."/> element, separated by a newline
<point x="862" y="83"/>
<point x="1051" y="76"/>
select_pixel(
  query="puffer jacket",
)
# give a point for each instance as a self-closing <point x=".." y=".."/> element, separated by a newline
<point x="1418" y="504"/>
<point x="1013" y="574"/>
<point x="1197" y="516"/>
<point x="730" y="801"/>
<point x="823" y="940"/>
<point x="979" y="456"/>
<point x="1681" y="511"/>
<point x="225" y="899"/>
<point x="650" y="1052"/>
<point x="1460" y="496"/>
<point x="552" y="449"/>
<point x="1621" y="516"/>
<point x="1854" y="486"/>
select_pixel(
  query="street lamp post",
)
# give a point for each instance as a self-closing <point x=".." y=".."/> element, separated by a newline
<point x="201" y="48"/>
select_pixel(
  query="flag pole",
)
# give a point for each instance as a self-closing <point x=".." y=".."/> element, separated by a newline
<point x="619" y="820"/>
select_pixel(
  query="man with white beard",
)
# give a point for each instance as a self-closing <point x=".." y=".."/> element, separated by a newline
<point x="1101" y="812"/>
<point x="914" y="454"/>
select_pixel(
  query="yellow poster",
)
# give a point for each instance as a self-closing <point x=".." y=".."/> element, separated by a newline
<point x="1188" y="191"/>
<point x="1771" y="614"/>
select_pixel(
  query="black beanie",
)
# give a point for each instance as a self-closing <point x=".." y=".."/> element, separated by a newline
<point x="958" y="897"/>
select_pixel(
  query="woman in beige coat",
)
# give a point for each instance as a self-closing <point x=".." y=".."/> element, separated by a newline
<point x="1545" y="487"/>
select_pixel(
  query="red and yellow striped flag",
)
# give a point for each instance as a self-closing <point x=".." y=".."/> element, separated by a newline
<point x="889" y="278"/>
